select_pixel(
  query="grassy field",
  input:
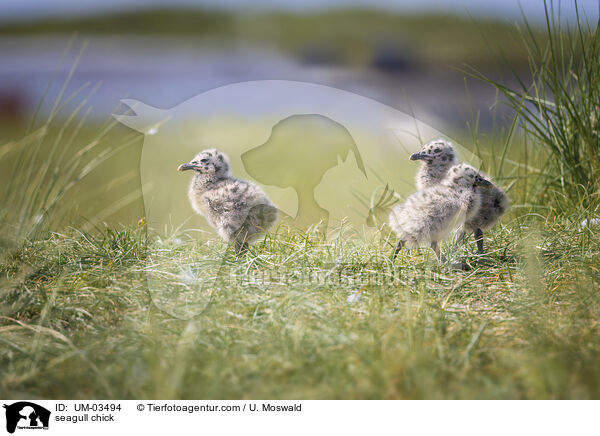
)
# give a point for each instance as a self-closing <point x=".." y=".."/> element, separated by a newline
<point x="121" y="310"/>
<point x="78" y="320"/>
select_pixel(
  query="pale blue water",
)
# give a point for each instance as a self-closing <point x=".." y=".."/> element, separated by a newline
<point x="165" y="72"/>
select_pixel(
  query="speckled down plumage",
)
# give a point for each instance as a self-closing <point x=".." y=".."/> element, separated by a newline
<point x="239" y="210"/>
<point x="435" y="157"/>
<point x="494" y="203"/>
<point x="428" y="215"/>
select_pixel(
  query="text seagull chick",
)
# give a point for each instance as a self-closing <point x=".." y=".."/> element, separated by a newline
<point x="427" y="216"/>
<point x="239" y="210"/>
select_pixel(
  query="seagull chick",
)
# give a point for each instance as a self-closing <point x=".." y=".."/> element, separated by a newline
<point x="438" y="157"/>
<point x="494" y="204"/>
<point x="428" y="215"/>
<point x="239" y="210"/>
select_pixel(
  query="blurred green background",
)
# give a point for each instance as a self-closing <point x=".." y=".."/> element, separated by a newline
<point x="70" y="64"/>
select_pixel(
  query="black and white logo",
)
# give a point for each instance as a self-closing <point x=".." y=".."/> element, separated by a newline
<point x="26" y="415"/>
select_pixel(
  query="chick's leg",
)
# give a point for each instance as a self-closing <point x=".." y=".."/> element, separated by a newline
<point x="397" y="250"/>
<point x="479" y="239"/>
<point x="435" y="248"/>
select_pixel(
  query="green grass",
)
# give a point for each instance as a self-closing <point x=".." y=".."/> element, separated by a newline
<point x="121" y="312"/>
<point x="78" y="319"/>
<point x="559" y="106"/>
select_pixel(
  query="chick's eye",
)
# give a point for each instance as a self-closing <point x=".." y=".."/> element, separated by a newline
<point x="204" y="160"/>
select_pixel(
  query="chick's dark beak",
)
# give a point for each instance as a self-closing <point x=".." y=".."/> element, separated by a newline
<point x="480" y="181"/>
<point x="419" y="155"/>
<point x="186" y="166"/>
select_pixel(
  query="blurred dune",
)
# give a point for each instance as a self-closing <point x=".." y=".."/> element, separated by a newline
<point x="165" y="56"/>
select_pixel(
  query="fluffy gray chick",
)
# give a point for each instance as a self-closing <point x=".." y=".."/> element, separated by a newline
<point x="239" y="210"/>
<point x="493" y="204"/>
<point x="428" y="215"/>
<point x="438" y="156"/>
